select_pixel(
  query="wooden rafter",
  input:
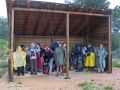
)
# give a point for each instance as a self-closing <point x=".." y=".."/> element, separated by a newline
<point x="36" y="26"/>
<point x="50" y="25"/>
<point x="60" y="32"/>
<point x="58" y="11"/>
<point x="80" y="26"/>
<point x="59" y="25"/>
<point x="77" y="26"/>
<point x="26" y="18"/>
<point x="47" y="24"/>
<point x="93" y="27"/>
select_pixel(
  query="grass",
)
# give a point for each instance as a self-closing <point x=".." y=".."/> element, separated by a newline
<point x="1" y="70"/>
<point x="108" y="88"/>
<point x="116" y="63"/>
<point x="3" y="65"/>
<point x="87" y="86"/>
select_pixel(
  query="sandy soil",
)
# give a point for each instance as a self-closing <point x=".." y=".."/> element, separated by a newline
<point x="51" y="82"/>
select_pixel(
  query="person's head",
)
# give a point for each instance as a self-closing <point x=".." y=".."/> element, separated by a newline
<point x="47" y="48"/>
<point x="58" y="41"/>
<point x="37" y="45"/>
<point x="60" y="45"/>
<point x="32" y="45"/>
<point x="101" y="46"/>
<point x="64" y="45"/>
<point x="22" y="46"/>
<point x="89" y="45"/>
<point x="19" y="49"/>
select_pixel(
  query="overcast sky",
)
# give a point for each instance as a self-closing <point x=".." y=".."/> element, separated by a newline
<point x="3" y="11"/>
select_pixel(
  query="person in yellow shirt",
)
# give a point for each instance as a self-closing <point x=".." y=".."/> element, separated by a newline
<point x="19" y="58"/>
<point x="90" y="58"/>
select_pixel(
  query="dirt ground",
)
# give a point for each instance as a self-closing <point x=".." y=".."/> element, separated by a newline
<point x="51" y="82"/>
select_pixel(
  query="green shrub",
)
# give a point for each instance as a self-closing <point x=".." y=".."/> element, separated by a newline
<point x="1" y="73"/>
<point x="108" y="88"/>
<point x="116" y="63"/>
<point x="87" y="86"/>
<point x="3" y="64"/>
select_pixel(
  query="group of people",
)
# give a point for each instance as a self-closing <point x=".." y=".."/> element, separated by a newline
<point x="53" y="58"/>
<point x="89" y="58"/>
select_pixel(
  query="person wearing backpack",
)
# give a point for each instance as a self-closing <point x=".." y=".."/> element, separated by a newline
<point x="90" y="58"/>
<point x="78" y="56"/>
<point x="33" y="59"/>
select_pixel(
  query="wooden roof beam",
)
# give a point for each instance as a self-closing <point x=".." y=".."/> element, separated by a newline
<point x="59" y="11"/>
<point x="36" y="26"/>
<point x="26" y="17"/>
<point x="51" y="22"/>
<point x="79" y="27"/>
<point x="85" y="28"/>
<point x="59" y="28"/>
<point x="59" y="25"/>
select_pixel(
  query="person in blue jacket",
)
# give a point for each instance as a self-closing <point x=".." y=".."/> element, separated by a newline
<point x="101" y="58"/>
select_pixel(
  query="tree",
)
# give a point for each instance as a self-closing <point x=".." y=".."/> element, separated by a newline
<point x="116" y="20"/>
<point x="91" y="3"/>
<point x="4" y="37"/>
<point x="4" y="33"/>
<point x="115" y="41"/>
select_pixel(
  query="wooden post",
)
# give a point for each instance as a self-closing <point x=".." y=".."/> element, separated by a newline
<point x="109" y="55"/>
<point x="11" y="47"/>
<point x="67" y="52"/>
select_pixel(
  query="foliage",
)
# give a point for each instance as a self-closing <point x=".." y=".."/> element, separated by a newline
<point x="1" y="70"/>
<point x="91" y="3"/>
<point x="87" y="86"/>
<point x="116" y="20"/>
<point x="115" y="41"/>
<point x="116" y="63"/>
<point x="3" y="65"/>
<point x="4" y="33"/>
<point x="4" y="37"/>
<point x="108" y="88"/>
<point x="3" y="47"/>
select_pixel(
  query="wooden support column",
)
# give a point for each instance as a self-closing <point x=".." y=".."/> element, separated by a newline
<point x="109" y="45"/>
<point x="67" y="52"/>
<point x="11" y="47"/>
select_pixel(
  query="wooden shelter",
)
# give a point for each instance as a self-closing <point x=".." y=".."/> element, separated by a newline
<point x="45" y="22"/>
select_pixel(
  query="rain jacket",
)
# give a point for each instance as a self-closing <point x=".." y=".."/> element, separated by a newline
<point x="19" y="58"/>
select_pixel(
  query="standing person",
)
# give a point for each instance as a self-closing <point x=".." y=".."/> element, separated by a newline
<point x="48" y="59"/>
<point x="90" y="58"/>
<point x="55" y="45"/>
<point x="64" y="56"/>
<point x="101" y="58"/>
<point x="72" y="61"/>
<point x="84" y="55"/>
<point x="78" y="55"/>
<point x="28" y="66"/>
<point x="19" y="58"/>
<point x="23" y="48"/>
<point x="33" y="59"/>
<point x="38" y="50"/>
<point x="59" y="60"/>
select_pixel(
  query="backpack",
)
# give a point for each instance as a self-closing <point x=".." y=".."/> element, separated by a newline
<point x="32" y="54"/>
<point x="78" y="49"/>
